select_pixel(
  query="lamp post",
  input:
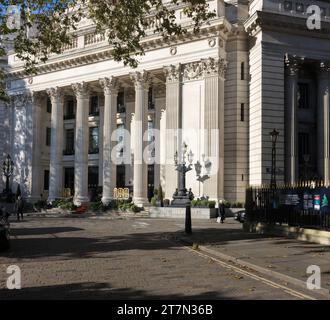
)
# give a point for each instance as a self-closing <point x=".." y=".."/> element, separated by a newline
<point x="182" y="196"/>
<point x="8" y="168"/>
<point x="273" y="135"/>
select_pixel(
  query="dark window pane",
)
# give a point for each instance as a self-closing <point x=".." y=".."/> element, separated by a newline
<point x="303" y="95"/>
<point x="94" y="140"/>
<point x="242" y="71"/>
<point x="121" y="102"/>
<point x="242" y="111"/>
<point x="94" y="110"/>
<point x="46" y="180"/>
<point x="70" y="112"/>
<point x="93" y="177"/>
<point x="48" y="136"/>
<point x="49" y="105"/>
<point x="69" y="143"/>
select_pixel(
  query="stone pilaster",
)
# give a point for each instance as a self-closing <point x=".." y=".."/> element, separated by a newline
<point x="214" y="75"/>
<point x="110" y="87"/>
<point x="82" y="93"/>
<point x="56" y="147"/>
<point x="291" y="120"/>
<point x="173" y="125"/>
<point x="323" y="128"/>
<point x="38" y="101"/>
<point x="140" y="181"/>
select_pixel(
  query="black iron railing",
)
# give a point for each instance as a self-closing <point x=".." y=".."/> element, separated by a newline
<point x="304" y="205"/>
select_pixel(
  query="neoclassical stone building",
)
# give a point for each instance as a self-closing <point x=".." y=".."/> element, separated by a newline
<point x="253" y="68"/>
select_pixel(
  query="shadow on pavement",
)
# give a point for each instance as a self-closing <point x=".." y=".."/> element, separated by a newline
<point x="41" y="231"/>
<point x="98" y="291"/>
<point x="83" y="245"/>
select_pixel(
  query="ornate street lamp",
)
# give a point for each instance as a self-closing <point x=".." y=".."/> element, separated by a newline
<point x="182" y="197"/>
<point x="8" y="169"/>
<point x="273" y="135"/>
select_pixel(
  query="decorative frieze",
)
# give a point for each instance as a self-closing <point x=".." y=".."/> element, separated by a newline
<point x="193" y="71"/>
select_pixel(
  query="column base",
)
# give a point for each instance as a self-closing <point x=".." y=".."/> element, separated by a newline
<point x="107" y="200"/>
<point x="141" y="202"/>
<point x="79" y="201"/>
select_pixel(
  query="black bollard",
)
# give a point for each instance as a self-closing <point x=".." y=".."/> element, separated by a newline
<point x="188" y="229"/>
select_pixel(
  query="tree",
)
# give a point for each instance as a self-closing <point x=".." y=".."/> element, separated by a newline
<point x="36" y="29"/>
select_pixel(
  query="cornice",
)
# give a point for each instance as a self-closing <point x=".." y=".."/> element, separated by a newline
<point x="273" y="21"/>
<point x="219" y="27"/>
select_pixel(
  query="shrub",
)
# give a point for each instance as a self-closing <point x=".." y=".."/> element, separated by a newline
<point x="65" y="204"/>
<point x="96" y="206"/>
<point x="203" y="203"/>
<point x="212" y="204"/>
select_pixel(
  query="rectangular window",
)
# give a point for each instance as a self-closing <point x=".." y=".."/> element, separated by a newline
<point x="70" y="112"/>
<point x="121" y="102"/>
<point x="48" y="136"/>
<point x="49" y="105"/>
<point x="93" y="177"/>
<point x="303" y="145"/>
<point x="151" y="104"/>
<point x="94" y="109"/>
<point x="242" y="111"/>
<point x="46" y="180"/>
<point x="303" y="95"/>
<point x="93" y="140"/>
<point x="69" y="143"/>
<point x="242" y="71"/>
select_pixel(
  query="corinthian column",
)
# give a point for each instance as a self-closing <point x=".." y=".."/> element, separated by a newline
<point x="110" y="87"/>
<point x="82" y="93"/>
<point x="38" y="100"/>
<point x="291" y="136"/>
<point x="173" y="125"/>
<point x="140" y="178"/>
<point x="323" y="129"/>
<point x="56" y="146"/>
<point x="214" y="76"/>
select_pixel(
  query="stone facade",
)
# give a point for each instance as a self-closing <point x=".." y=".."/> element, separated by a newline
<point x="255" y="67"/>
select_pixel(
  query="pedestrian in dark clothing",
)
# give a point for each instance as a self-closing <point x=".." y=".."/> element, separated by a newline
<point x="222" y="211"/>
<point x="19" y="207"/>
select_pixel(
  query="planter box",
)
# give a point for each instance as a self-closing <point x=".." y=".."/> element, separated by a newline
<point x="230" y="212"/>
<point x="180" y="213"/>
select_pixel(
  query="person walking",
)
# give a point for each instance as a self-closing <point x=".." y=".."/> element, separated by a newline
<point x="222" y="211"/>
<point x="19" y="207"/>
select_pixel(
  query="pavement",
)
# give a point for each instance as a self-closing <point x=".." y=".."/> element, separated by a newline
<point x="127" y="257"/>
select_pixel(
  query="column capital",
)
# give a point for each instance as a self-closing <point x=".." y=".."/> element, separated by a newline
<point x="292" y="66"/>
<point x="55" y="94"/>
<point x="173" y="73"/>
<point x="109" y="85"/>
<point x="38" y="98"/>
<point x="141" y="79"/>
<point x="214" y="67"/>
<point x="324" y="69"/>
<point x="81" y="90"/>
